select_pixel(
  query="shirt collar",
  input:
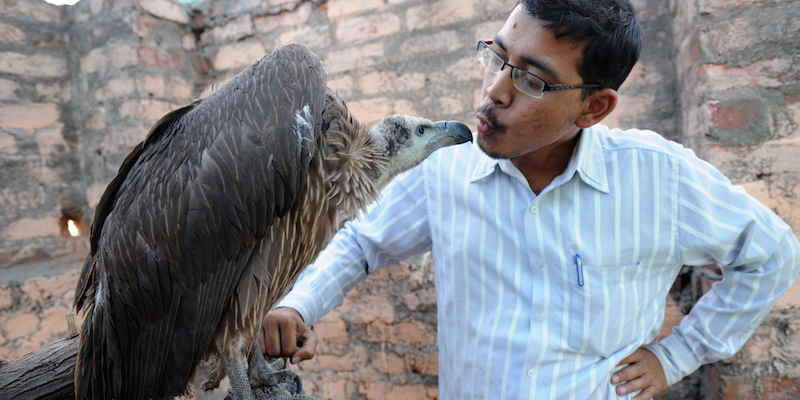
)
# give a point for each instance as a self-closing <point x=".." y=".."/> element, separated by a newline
<point x="588" y="161"/>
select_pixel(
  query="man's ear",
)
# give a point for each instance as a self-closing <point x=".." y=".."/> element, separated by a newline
<point x="598" y="106"/>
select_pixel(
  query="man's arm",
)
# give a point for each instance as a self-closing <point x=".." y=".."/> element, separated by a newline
<point x="392" y="229"/>
<point x="758" y="254"/>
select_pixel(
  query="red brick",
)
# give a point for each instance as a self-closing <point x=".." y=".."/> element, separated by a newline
<point x="145" y="26"/>
<point x="405" y="106"/>
<point x="33" y="10"/>
<point x="384" y="81"/>
<point x="17" y="326"/>
<point x="54" y="91"/>
<point x="421" y="299"/>
<point x="451" y="105"/>
<point x="733" y="114"/>
<point x="348" y="361"/>
<point x="8" y="90"/>
<point x="368" y="308"/>
<point x="166" y="9"/>
<point x="51" y="141"/>
<point x="180" y="88"/>
<point x="424" y="364"/>
<point x="331" y="329"/>
<point x="8" y="143"/>
<point x="287" y="19"/>
<point x="124" y="55"/>
<point x="189" y="42"/>
<point x="368" y="27"/>
<point x="95" y="60"/>
<point x="123" y="139"/>
<point x="672" y="318"/>
<point x="715" y="6"/>
<point x="11" y="34"/>
<point x="492" y="6"/>
<point x="29" y="228"/>
<point x="415" y="332"/>
<point x="777" y="387"/>
<point x="387" y="362"/>
<point x="463" y="70"/>
<point x="237" y="55"/>
<point x="769" y="73"/>
<point x="33" y="65"/>
<point x="225" y="8"/>
<point x="728" y="35"/>
<point x="439" y="42"/>
<point x="29" y="117"/>
<point x="116" y="88"/>
<point x="343" y="85"/>
<point x="353" y="58"/>
<point x="153" y="84"/>
<point x="440" y="13"/>
<point x="6" y="297"/>
<point x="342" y="9"/>
<point x="150" y="57"/>
<point x="371" y="111"/>
<point x="317" y="38"/>
<point x="387" y="391"/>
<point x="238" y="28"/>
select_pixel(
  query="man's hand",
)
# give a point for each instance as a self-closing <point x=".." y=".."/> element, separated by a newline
<point x="284" y="334"/>
<point x="644" y="373"/>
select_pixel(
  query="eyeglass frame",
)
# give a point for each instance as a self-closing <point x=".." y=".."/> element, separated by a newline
<point x="546" y="88"/>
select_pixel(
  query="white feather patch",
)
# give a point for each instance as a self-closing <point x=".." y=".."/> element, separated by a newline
<point x="305" y="124"/>
<point x="98" y="295"/>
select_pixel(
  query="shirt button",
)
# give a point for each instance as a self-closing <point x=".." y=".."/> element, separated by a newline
<point x="531" y="373"/>
<point x="540" y="263"/>
<point x="534" y="209"/>
<point x="541" y="318"/>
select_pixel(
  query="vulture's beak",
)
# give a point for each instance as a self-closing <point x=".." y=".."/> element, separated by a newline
<point x="458" y="132"/>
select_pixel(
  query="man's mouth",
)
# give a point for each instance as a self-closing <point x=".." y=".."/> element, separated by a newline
<point x="487" y="121"/>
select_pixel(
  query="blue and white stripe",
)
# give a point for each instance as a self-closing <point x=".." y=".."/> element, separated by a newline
<point x="633" y="205"/>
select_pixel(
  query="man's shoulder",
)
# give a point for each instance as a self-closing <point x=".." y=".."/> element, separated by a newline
<point x="616" y="139"/>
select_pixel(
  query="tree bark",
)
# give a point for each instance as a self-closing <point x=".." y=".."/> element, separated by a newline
<point x="45" y="374"/>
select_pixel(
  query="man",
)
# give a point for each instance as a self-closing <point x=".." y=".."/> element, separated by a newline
<point x="555" y="239"/>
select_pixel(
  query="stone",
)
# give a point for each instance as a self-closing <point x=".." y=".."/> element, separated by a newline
<point x="369" y="27"/>
<point x="166" y="9"/>
<point x="29" y="117"/>
<point x="11" y="34"/>
<point x="33" y="65"/>
<point x="236" y="56"/>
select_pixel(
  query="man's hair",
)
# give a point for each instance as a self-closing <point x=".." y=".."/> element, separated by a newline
<point x="608" y="28"/>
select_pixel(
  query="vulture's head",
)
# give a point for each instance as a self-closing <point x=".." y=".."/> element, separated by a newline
<point x="406" y="141"/>
<point x="395" y="144"/>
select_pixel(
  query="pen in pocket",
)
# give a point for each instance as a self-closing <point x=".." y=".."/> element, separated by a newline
<point x="579" y="268"/>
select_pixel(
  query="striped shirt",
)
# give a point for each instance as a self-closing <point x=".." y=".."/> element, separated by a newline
<point x="550" y="292"/>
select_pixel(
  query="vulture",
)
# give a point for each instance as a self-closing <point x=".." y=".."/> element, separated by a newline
<point x="212" y="217"/>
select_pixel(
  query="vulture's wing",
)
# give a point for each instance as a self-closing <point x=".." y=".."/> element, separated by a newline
<point x="175" y="229"/>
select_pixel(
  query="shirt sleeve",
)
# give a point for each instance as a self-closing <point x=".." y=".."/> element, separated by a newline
<point x="757" y="252"/>
<point x="391" y="229"/>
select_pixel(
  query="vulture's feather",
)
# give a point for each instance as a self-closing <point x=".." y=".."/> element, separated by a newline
<point x="214" y="215"/>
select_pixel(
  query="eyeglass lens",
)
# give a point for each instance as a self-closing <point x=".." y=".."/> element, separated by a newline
<point x="522" y="80"/>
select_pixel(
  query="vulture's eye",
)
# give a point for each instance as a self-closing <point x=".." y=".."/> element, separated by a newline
<point x="421" y="130"/>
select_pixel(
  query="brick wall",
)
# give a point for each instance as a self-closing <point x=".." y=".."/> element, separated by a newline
<point x="81" y="85"/>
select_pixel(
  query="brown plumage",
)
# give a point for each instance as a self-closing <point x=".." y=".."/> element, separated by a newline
<point x="212" y="218"/>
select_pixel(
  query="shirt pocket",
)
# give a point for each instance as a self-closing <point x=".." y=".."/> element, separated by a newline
<point x="604" y="311"/>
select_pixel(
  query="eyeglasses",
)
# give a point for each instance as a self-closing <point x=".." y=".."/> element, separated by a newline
<point x="523" y="80"/>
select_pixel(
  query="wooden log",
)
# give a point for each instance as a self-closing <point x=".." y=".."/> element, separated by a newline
<point x="45" y="374"/>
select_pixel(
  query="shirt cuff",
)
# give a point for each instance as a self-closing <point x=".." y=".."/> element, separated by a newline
<point x="302" y="302"/>
<point x="677" y="358"/>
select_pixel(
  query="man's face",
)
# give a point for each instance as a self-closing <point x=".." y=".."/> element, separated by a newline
<point x="512" y="124"/>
